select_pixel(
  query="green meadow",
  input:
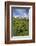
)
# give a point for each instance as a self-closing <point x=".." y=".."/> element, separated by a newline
<point x="20" y="27"/>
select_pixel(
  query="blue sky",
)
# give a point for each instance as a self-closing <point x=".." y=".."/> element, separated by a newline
<point x="20" y="11"/>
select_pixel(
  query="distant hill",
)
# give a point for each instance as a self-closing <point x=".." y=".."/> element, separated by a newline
<point x="21" y="17"/>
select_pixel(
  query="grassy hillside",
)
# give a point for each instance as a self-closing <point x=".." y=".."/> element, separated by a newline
<point x="20" y="27"/>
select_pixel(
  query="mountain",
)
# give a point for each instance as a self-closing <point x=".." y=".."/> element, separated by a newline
<point x="21" y="17"/>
